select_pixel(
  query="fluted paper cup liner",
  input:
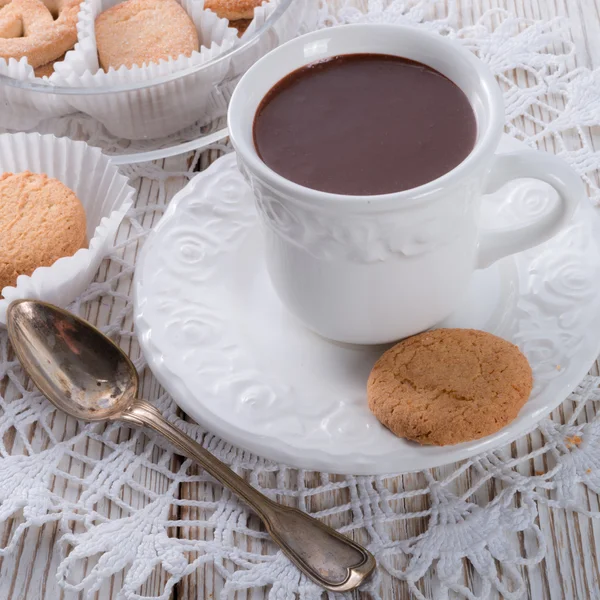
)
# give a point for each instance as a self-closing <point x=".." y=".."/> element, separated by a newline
<point x="155" y="111"/>
<point x="241" y="63"/>
<point x="23" y="109"/>
<point x="21" y="112"/>
<point x="104" y="192"/>
<point x="261" y="14"/>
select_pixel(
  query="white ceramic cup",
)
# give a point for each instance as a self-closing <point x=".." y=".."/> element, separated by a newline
<point x="374" y="269"/>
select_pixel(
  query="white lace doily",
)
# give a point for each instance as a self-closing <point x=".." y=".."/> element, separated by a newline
<point x="125" y="505"/>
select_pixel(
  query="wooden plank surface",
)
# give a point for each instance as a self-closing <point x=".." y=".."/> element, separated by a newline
<point x="570" y="569"/>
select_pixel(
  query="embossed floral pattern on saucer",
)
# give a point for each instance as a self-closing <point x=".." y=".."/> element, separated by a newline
<point x="218" y="339"/>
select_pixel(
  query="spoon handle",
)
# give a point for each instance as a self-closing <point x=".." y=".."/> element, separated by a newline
<point x="327" y="557"/>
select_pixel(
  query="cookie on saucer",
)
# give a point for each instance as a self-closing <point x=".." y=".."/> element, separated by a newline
<point x="449" y="386"/>
<point x="138" y="32"/>
<point x="41" y="220"/>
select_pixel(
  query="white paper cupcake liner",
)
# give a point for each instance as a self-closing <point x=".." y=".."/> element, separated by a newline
<point x="261" y="14"/>
<point x="104" y="193"/>
<point x="275" y="37"/>
<point x="22" y="108"/>
<point x="21" y="112"/>
<point x="155" y="111"/>
<point x="286" y="27"/>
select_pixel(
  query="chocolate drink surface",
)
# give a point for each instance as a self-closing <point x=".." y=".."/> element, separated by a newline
<point x="364" y="124"/>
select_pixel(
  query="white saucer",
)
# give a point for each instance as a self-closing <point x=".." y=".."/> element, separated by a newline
<point x="220" y="342"/>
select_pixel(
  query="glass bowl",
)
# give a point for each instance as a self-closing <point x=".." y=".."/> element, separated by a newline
<point x="154" y="119"/>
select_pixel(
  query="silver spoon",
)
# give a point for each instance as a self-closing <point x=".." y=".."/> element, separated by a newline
<point x="86" y="375"/>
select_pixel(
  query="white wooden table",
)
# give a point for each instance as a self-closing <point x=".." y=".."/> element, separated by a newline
<point x="570" y="570"/>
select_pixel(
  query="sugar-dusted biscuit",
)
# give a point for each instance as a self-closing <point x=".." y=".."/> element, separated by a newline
<point x="41" y="220"/>
<point x="39" y="31"/>
<point x="449" y="386"/>
<point x="233" y="9"/>
<point x="138" y="32"/>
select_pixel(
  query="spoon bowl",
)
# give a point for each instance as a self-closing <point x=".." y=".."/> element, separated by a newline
<point x="74" y="365"/>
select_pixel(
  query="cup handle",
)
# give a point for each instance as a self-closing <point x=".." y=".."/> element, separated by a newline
<point x="495" y="244"/>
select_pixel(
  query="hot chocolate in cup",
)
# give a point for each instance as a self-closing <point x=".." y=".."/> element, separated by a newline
<point x="372" y="269"/>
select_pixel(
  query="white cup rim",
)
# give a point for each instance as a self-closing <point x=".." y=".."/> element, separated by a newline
<point x="486" y="144"/>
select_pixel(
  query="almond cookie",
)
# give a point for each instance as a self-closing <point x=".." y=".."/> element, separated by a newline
<point x="449" y="386"/>
<point x="41" y="220"/>
<point x="139" y="32"/>
<point x="233" y="9"/>
<point x="39" y="31"/>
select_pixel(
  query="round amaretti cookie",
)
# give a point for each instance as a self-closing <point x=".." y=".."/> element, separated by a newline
<point x="138" y="32"/>
<point x="449" y="385"/>
<point x="41" y="220"/>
